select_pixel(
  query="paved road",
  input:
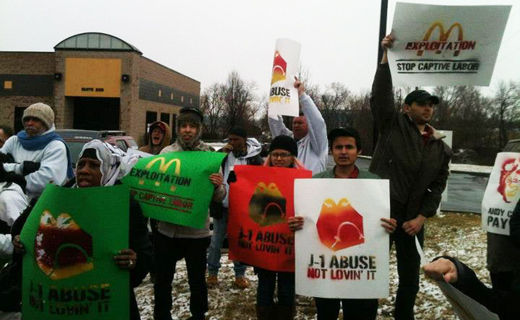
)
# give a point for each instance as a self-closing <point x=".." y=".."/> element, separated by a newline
<point x="465" y="191"/>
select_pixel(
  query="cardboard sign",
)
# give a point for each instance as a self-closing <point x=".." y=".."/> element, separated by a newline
<point x="71" y="237"/>
<point x="260" y="202"/>
<point x="445" y="45"/>
<point x="283" y="97"/>
<point x="342" y="250"/>
<point x="175" y="186"/>
<point x="502" y="193"/>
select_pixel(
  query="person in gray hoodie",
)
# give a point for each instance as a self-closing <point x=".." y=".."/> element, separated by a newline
<point x="241" y="150"/>
<point x="309" y="131"/>
<point x="174" y="242"/>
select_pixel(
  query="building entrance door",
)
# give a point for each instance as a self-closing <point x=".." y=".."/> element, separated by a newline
<point x="96" y="113"/>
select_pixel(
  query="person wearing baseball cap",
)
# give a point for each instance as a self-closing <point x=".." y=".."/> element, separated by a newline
<point x="40" y="155"/>
<point x="412" y="155"/>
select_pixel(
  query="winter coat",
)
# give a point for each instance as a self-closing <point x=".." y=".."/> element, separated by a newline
<point x="165" y="141"/>
<point x="252" y="157"/>
<point x="177" y="231"/>
<point x="313" y="148"/>
<point x="53" y="163"/>
<point x="417" y="171"/>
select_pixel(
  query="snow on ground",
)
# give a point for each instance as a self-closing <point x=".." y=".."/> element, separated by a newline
<point x="446" y="234"/>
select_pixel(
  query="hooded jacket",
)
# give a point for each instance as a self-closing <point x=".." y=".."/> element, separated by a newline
<point x="165" y="141"/>
<point x="252" y="157"/>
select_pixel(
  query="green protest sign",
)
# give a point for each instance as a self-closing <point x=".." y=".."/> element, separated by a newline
<point x="71" y="237"/>
<point x="175" y="186"/>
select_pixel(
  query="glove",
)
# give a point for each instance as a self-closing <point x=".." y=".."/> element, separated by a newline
<point x="12" y="177"/>
<point x="6" y="158"/>
<point x="30" y="167"/>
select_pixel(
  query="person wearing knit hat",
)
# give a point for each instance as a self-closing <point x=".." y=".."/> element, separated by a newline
<point x="240" y="150"/>
<point x="40" y="155"/>
<point x="173" y="242"/>
<point x="282" y="153"/>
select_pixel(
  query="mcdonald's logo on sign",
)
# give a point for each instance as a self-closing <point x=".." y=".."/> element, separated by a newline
<point x="442" y="43"/>
<point x="163" y="167"/>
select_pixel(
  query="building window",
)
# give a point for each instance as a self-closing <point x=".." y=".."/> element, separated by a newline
<point x="165" y="117"/>
<point x="191" y="101"/>
<point x="182" y="98"/>
<point x="8" y="84"/>
<point x="171" y="96"/>
<point x="151" y="116"/>
<point x="159" y="93"/>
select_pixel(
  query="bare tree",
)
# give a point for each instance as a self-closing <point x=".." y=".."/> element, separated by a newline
<point x="212" y="106"/>
<point x="506" y="104"/>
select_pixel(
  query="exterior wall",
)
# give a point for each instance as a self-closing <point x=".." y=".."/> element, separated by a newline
<point x="151" y="87"/>
<point x="31" y="75"/>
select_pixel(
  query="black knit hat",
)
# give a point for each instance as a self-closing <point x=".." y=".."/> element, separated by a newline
<point x="239" y="131"/>
<point x="284" y="143"/>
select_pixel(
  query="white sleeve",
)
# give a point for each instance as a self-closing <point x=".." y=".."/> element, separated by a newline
<point x="277" y="127"/>
<point x="12" y="203"/>
<point x="316" y="124"/>
<point x="53" y="168"/>
<point x="6" y="246"/>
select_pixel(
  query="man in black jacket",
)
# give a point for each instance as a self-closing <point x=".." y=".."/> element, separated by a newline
<point x="413" y="156"/>
<point x="502" y="302"/>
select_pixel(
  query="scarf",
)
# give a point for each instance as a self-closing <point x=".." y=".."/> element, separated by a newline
<point x="41" y="141"/>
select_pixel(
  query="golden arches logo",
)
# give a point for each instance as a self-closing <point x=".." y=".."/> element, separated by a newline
<point x="443" y="35"/>
<point x="164" y="166"/>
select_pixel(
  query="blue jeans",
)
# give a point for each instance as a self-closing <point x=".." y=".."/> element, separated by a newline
<point x="217" y="239"/>
<point x="267" y="283"/>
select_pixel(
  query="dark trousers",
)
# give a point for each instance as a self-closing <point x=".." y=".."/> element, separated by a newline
<point x="408" y="264"/>
<point x="502" y="280"/>
<point x="167" y="252"/>
<point x="353" y="309"/>
<point x="267" y="284"/>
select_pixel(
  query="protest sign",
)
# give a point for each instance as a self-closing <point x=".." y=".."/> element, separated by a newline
<point x="502" y="193"/>
<point x="445" y="45"/>
<point x="71" y="237"/>
<point x="342" y="250"/>
<point x="283" y="97"/>
<point x="260" y="202"/>
<point x="175" y="186"/>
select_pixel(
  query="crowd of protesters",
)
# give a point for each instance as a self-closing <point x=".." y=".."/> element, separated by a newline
<point x="410" y="153"/>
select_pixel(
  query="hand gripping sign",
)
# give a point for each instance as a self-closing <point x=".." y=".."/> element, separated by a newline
<point x="502" y="193"/>
<point x="283" y="96"/>
<point x="342" y="250"/>
<point x="445" y="45"/>
<point x="260" y="202"/>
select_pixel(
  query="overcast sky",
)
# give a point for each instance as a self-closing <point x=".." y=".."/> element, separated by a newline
<point x="208" y="39"/>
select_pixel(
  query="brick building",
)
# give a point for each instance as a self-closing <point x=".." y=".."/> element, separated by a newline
<point x="94" y="81"/>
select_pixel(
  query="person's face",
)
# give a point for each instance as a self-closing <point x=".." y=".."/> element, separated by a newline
<point x="188" y="131"/>
<point x="88" y="173"/>
<point x="300" y="128"/>
<point x="237" y="142"/>
<point x="157" y="136"/>
<point x="33" y="126"/>
<point x="420" y="112"/>
<point x="3" y="137"/>
<point x="281" y="158"/>
<point x="344" y="151"/>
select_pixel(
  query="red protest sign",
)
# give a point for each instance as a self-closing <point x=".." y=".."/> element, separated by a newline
<point x="260" y="202"/>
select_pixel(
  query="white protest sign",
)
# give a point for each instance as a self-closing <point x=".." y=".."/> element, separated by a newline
<point x="502" y="193"/>
<point x="283" y="96"/>
<point x="445" y="45"/>
<point x="342" y="250"/>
